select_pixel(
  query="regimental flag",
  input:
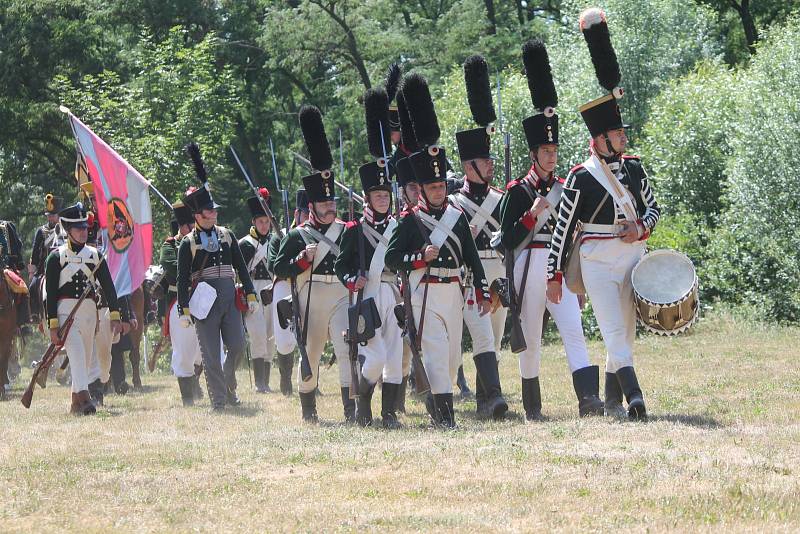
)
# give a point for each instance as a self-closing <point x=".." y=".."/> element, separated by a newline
<point x="123" y="207"/>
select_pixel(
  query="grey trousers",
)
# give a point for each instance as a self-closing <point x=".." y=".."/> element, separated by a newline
<point x="226" y="321"/>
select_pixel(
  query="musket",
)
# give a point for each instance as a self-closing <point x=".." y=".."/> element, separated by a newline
<point x="297" y="324"/>
<point x="517" y="337"/>
<point x="53" y="349"/>
<point x="421" y="383"/>
<point x="351" y="336"/>
<point x="261" y="199"/>
<point x="151" y="365"/>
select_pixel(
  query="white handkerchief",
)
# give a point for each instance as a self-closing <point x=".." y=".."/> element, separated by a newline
<point x="202" y="299"/>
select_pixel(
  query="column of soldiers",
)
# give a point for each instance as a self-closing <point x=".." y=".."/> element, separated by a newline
<point x="327" y="281"/>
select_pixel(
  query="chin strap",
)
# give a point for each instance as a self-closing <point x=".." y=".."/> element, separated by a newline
<point x="609" y="146"/>
<point x="478" y="172"/>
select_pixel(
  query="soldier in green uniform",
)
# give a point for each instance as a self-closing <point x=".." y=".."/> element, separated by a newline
<point x="434" y="243"/>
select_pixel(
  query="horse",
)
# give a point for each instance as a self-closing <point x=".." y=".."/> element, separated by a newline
<point x="8" y="330"/>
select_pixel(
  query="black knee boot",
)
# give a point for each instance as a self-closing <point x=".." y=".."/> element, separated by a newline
<point x="400" y="397"/>
<point x="197" y="391"/>
<point x="443" y="402"/>
<point x="586" y="382"/>
<point x="186" y="385"/>
<point x="308" y="403"/>
<point x="364" y="404"/>
<point x="389" y="404"/>
<point x="613" y="403"/>
<point x="461" y="382"/>
<point x="267" y="369"/>
<point x="348" y="405"/>
<point x="532" y="399"/>
<point x="96" y="392"/>
<point x="633" y="393"/>
<point x="494" y="405"/>
<point x="285" y="364"/>
<point x="258" y="374"/>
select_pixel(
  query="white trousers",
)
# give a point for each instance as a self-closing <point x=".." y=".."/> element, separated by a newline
<point x="566" y="314"/>
<point x="103" y="339"/>
<point x="259" y="328"/>
<point x="487" y="331"/>
<point x="327" y="320"/>
<point x="80" y="340"/>
<point x="285" y="341"/>
<point x="606" y="266"/>
<point x="185" y="346"/>
<point x="383" y="354"/>
<point x="441" y="334"/>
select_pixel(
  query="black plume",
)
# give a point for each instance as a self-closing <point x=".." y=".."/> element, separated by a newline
<point x="407" y="136"/>
<point x="479" y="90"/>
<point x="595" y="31"/>
<point x="376" y="113"/>
<point x="393" y="80"/>
<point x="319" y="151"/>
<point x="197" y="160"/>
<point x="420" y="108"/>
<point x="539" y="74"/>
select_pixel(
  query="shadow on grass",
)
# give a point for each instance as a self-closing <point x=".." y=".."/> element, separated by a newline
<point x="699" y="421"/>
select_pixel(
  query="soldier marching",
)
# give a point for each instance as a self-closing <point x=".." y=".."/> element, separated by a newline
<point x="398" y="283"/>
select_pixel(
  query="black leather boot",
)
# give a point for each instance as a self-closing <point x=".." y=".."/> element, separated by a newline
<point x="348" y="405"/>
<point x="532" y="399"/>
<point x="308" y="403"/>
<point x="96" y="392"/>
<point x="231" y="398"/>
<point x="633" y="393"/>
<point x="364" y="404"/>
<point x="186" y="385"/>
<point x="444" y="405"/>
<point x="495" y="406"/>
<point x="258" y="374"/>
<point x="613" y="403"/>
<point x="461" y="382"/>
<point x="586" y="382"/>
<point x="285" y="364"/>
<point x="430" y="406"/>
<point x="267" y="369"/>
<point x="400" y="397"/>
<point x="389" y="404"/>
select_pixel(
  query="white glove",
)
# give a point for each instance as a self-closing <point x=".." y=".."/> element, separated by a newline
<point x="252" y="306"/>
<point x="186" y="321"/>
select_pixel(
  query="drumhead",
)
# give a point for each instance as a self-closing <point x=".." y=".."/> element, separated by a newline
<point x="663" y="276"/>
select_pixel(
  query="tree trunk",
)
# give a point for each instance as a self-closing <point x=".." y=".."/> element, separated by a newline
<point x="352" y="44"/>
<point x="490" y="14"/>
<point x="750" y="30"/>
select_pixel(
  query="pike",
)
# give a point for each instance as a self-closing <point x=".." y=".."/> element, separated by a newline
<point x="351" y="335"/>
<point x="298" y="326"/>
<point x="261" y="200"/>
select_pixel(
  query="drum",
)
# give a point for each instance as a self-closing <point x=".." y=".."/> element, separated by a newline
<point x="666" y="288"/>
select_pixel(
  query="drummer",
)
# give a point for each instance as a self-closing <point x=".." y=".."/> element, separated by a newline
<point x="609" y="194"/>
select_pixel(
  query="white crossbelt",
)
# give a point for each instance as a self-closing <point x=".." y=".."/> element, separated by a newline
<point x="488" y="254"/>
<point x="591" y="228"/>
<point x="326" y="278"/>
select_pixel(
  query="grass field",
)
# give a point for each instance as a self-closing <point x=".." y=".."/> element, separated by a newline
<point x="721" y="452"/>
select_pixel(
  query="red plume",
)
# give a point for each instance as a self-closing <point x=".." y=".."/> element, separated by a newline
<point x="263" y="193"/>
<point x="191" y="190"/>
<point x="90" y="218"/>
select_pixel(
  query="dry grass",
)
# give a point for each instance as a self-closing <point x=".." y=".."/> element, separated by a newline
<point x="721" y="452"/>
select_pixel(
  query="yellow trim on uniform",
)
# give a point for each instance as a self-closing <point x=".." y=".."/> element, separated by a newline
<point x="53" y="323"/>
<point x="251" y="297"/>
<point x="596" y="102"/>
<point x="114" y="316"/>
<point x="186" y="312"/>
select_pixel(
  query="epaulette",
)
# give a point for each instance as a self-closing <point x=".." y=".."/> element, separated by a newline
<point x="626" y="156"/>
<point x="514" y="183"/>
<point x="496" y="189"/>
<point x="576" y="168"/>
<point x="561" y="180"/>
<point x="351" y="224"/>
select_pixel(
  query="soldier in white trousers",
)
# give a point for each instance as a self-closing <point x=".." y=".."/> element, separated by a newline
<point x="68" y="271"/>
<point x="608" y="198"/>
<point x="480" y="202"/>
<point x="528" y="220"/>
<point x="255" y="247"/>
<point x="361" y="266"/>
<point x="433" y="242"/>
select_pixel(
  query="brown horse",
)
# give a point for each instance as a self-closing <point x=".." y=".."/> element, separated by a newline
<point x="8" y="329"/>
